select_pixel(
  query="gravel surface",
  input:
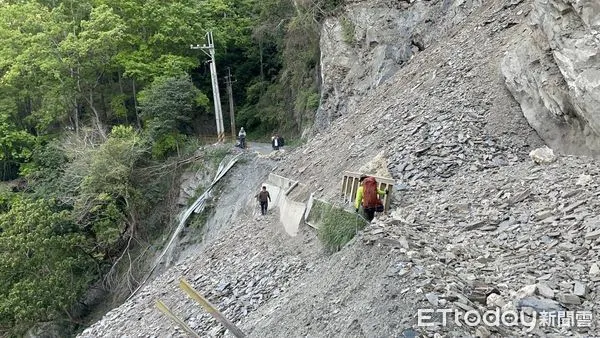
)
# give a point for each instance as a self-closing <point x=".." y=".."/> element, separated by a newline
<point x="475" y="225"/>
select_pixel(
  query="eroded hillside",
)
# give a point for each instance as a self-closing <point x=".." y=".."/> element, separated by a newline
<point x="475" y="224"/>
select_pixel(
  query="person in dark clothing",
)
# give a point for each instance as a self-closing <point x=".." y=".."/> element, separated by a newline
<point x="264" y="198"/>
<point x="275" y="141"/>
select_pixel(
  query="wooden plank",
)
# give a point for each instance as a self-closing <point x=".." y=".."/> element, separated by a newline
<point x="309" y="205"/>
<point x="346" y="191"/>
<point x="312" y="225"/>
<point x="164" y="309"/>
<point x="388" y="196"/>
<point x="287" y="192"/>
<point x="379" y="179"/>
<point x="195" y="295"/>
<point x="350" y="189"/>
<point x="381" y="186"/>
<point x="344" y="182"/>
<point x="355" y="184"/>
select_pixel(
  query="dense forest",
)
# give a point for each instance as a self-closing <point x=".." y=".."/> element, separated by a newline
<point x="97" y="98"/>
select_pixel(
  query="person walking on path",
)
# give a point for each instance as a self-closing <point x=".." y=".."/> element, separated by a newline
<point x="263" y="198"/>
<point x="367" y="195"/>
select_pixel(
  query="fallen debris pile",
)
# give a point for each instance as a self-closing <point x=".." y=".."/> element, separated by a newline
<point x="525" y="238"/>
<point x="235" y="278"/>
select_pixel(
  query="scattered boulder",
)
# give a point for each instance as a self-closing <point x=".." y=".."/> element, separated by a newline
<point x="580" y="289"/>
<point x="545" y="291"/>
<point x="594" y="269"/>
<point x="543" y="155"/>
<point x="540" y="304"/>
<point x="568" y="299"/>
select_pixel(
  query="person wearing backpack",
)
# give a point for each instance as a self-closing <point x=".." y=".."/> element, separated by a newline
<point x="367" y="195"/>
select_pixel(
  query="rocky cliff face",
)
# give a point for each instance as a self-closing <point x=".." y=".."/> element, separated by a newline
<point x="372" y="40"/>
<point x="553" y="71"/>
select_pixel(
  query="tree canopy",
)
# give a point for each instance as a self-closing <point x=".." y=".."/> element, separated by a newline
<point x="97" y="94"/>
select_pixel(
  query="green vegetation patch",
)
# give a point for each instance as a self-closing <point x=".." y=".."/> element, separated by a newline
<point x="336" y="225"/>
<point x="348" y="30"/>
<point x="217" y="155"/>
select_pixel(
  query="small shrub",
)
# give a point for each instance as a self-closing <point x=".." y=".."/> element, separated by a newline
<point x="307" y="100"/>
<point x="312" y="101"/>
<point x="348" y="30"/>
<point x="336" y="225"/>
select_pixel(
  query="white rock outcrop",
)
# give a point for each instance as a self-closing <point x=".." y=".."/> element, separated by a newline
<point x="553" y="71"/>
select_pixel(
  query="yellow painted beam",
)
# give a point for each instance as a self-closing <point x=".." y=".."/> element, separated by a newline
<point x="164" y="309"/>
<point x="195" y="295"/>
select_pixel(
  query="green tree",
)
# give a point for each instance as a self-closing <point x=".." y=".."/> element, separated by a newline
<point x="88" y="55"/>
<point x="44" y="263"/>
<point x="15" y="147"/>
<point x="167" y="108"/>
<point x="108" y="200"/>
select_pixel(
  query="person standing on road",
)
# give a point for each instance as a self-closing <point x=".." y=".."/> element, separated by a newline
<point x="242" y="137"/>
<point x="263" y="198"/>
<point x="276" y="141"/>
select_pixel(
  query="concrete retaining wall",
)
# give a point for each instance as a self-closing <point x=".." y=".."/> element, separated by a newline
<point x="291" y="205"/>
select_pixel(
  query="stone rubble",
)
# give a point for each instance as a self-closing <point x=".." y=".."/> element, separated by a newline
<point x="236" y="278"/>
<point x="537" y="251"/>
<point x="476" y="224"/>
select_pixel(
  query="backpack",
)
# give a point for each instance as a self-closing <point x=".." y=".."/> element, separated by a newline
<point x="370" y="196"/>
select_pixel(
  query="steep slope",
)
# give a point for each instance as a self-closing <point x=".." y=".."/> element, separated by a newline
<point x="446" y="112"/>
<point x="241" y="261"/>
<point x="517" y="238"/>
<point x="474" y="226"/>
<point x="472" y="210"/>
<point x="553" y="70"/>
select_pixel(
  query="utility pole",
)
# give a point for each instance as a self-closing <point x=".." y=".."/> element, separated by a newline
<point x="210" y="47"/>
<point x="229" y="81"/>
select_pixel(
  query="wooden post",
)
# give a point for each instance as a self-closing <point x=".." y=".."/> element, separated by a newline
<point x="195" y="295"/>
<point x="344" y="185"/>
<point x="164" y="309"/>
<point x="354" y="190"/>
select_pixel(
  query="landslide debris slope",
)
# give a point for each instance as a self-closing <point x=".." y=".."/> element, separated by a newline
<point x="475" y="225"/>
<point x="242" y="261"/>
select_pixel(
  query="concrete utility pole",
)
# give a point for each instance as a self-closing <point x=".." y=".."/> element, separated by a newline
<point x="215" y="83"/>
<point x="228" y="81"/>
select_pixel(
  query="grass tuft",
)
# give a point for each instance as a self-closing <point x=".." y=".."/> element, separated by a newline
<point x="336" y="225"/>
